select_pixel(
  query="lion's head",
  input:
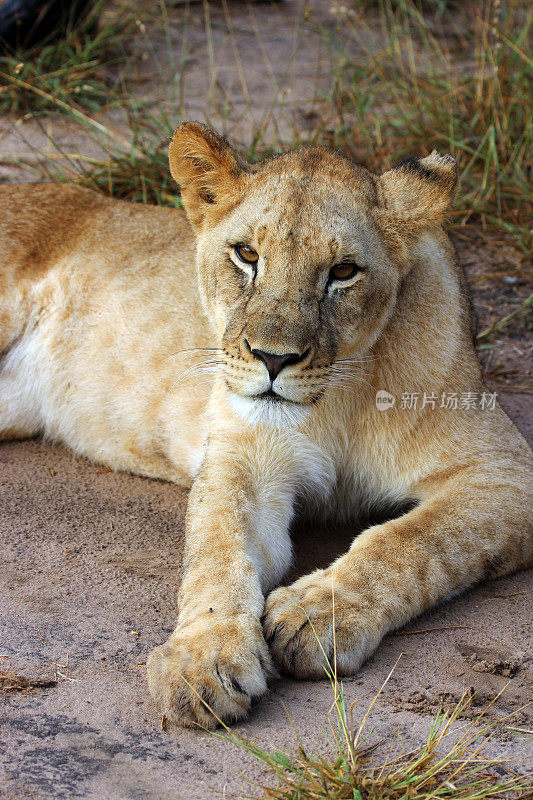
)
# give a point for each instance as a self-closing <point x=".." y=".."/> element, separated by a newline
<point x="300" y="259"/>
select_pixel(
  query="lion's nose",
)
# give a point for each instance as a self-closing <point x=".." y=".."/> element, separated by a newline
<point x="275" y="362"/>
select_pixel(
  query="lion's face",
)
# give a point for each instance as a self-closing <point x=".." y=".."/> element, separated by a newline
<point x="297" y="270"/>
<point x="297" y="288"/>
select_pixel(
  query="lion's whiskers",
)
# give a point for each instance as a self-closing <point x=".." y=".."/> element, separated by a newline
<point x="365" y="360"/>
<point x="341" y="378"/>
<point x="190" y="351"/>
<point x="203" y="367"/>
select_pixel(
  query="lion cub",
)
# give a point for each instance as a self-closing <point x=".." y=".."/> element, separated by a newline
<point x="302" y="341"/>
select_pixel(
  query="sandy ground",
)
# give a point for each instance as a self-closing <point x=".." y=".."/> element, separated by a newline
<point x="89" y="572"/>
<point x="91" y="559"/>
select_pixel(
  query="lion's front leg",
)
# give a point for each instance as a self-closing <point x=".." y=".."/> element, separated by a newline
<point x="235" y="548"/>
<point x="394" y="571"/>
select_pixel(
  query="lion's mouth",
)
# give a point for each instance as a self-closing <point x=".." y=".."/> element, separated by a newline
<point x="272" y="395"/>
<point x="274" y="398"/>
<point x="269" y="408"/>
<point x="269" y="396"/>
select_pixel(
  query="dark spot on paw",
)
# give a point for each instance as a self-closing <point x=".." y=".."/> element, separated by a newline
<point x="277" y="629"/>
<point x="237" y="687"/>
<point x="297" y="632"/>
<point x="206" y="696"/>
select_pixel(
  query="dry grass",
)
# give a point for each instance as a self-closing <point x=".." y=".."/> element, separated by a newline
<point x="78" y="68"/>
<point x="500" y="324"/>
<point x="449" y="765"/>
<point x="457" y="81"/>
<point x="13" y="682"/>
<point x="403" y="81"/>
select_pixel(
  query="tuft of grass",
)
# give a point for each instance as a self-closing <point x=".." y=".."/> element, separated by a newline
<point x="500" y="325"/>
<point x="439" y="769"/>
<point x="135" y="170"/>
<point x="140" y="173"/>
<point x="13" y="682"/>
<point x="449" y="765"/>
<point x="459" y="82"/>
<point x="75" y="67"/>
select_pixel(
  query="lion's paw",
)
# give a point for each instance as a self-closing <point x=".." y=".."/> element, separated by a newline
<point x="210" y="671"/>
<point x="309" y="623"/>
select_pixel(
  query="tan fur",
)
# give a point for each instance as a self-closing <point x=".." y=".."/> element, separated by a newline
<point x="111" y="344"/>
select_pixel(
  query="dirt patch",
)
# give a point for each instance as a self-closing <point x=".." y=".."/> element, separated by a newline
<point x="487" y="660"/>
<point x="91" y="564"/>
<point x="512" y="685"/>
<point x="421" y="702"/>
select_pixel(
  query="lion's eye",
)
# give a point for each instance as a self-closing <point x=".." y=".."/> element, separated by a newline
<point x="246" y="254"/>
<point x="343" y="271"/>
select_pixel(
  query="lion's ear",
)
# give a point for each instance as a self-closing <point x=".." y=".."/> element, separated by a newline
<point x="419" y="189"/>
<point x="208" y="170"/>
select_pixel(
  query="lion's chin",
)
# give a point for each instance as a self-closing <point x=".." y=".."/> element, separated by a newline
<point x="273" y="412"/>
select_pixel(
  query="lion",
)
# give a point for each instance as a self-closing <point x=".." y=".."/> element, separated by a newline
<point x="264" y="347"/>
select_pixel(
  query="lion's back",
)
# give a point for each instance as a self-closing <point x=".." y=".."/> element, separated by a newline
<point x="43" y="225"/>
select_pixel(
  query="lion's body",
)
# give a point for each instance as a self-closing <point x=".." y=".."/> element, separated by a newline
<point x="111" y="345"/>
<point x="91" y="328"/>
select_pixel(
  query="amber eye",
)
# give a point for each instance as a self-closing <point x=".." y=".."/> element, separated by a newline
<point x="246" y="254"/>
<point x="343" y="271"/>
